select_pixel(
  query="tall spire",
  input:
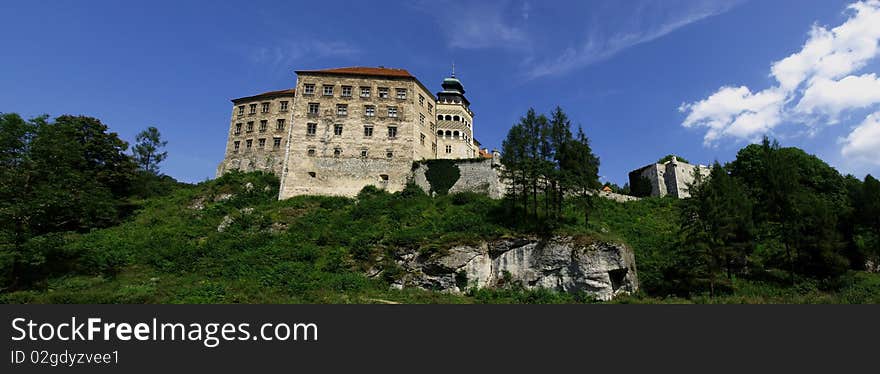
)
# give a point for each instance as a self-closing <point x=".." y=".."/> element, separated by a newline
<point x="453" y="68"/>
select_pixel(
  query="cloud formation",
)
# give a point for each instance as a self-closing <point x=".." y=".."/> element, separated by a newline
<point x="648" y="23"/>
<point x="819" y="82"/>
<point x="291" y="52"/>
<point x="863" y="143"/>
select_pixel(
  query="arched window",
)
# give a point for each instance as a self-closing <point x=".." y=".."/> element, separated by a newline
<point x="448" y="117"/>
<point x="455" y="134"/>
<point x="456" y="118"/>
<point x="439" y="132"/>
<point x="439" y="117"/>
<point x="448" y="133"/>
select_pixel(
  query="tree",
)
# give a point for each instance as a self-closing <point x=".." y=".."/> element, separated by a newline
<point x="580" y="171"/>
<point x="67" y="175"/>
<point x="146" y="150"/>
<point x="717" y="226"/>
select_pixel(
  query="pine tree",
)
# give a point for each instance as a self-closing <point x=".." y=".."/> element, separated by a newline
<point x="146" y="150"/>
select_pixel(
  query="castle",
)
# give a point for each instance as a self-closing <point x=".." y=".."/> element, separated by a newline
<point x="342" y="129"/>
<point x="669" y="178"/>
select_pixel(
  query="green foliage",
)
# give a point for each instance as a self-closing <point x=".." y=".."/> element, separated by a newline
<point x="67" y="175"/>
<point x="541" y="157"/>
<point x="146" y="151"/>
<point x="669" y="157"/>
<point x="441" y="175"/>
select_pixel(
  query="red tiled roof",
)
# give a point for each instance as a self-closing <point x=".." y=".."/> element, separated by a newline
<point x="485" y="154"/>
<point x="287" y="92"/>
<point x="363" y="70"/>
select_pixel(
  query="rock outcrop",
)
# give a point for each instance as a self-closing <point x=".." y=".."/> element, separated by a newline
<point x="601" y="269"/>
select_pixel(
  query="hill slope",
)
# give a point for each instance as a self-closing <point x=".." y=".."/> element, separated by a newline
<point x="230" y="241"/>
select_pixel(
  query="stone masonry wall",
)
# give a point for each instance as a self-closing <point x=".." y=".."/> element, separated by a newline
<point x="480" y="176"/>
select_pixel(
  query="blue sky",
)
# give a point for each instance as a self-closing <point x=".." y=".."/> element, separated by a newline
<point x="644" y="78"/>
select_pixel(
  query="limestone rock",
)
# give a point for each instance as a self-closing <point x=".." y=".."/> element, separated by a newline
<point x="601" y="269"/>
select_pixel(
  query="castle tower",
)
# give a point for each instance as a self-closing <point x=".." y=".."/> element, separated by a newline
<point x="455" y="134"/>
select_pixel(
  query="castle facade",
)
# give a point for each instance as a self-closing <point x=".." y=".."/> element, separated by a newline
<point x="342" y="129"/>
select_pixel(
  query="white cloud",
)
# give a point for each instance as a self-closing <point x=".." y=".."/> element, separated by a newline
<point x="830" y="97"/>
<point x="597" y="47"/>
<point x="735" y="111"/>
<point x="288" y="53"/>
<point x="817" y="81"/>
<point x="478" y="25"/>
<point x="863" y="143"/>
<point x="831" y="54"/>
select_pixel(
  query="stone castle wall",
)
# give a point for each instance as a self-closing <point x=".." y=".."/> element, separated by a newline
<point x="325" y="161"/>
<point x="670" y="178"/>
<point x="256" y="141"/>
<point x="479" y="176"/>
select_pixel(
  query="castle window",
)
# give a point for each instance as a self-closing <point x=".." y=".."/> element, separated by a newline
<point x="421" y="119"/>
<point x="421" y="100"/>
<point x="439" y="132"/>
<point x="235" y="146"/>
<point x="284" y="106"/>
<point x="311" y="129"/>
<point x="341" y="109"/>
<point x="265" y="108"/>
<point x="383" y="177"/>
<point x="455" y="118"/>
<point x="455" y="134"/>
<point x="276" y="142"/>
<point x="241" y="110"/>
<point x="383" y="92"/>
<point x="264" y="124"/>
<point x="250" y="126"/>
<point x="448" y="117"/>
<point x="237" y="129"/>
<point x="308" y="89"/>
<point x="346" y="91"/>
<point x="337" y="152"/>
<point x="448" y="149"/>
<point x="313" y="108"/>
<point x="253" y="109"/>
<point x="448" y="134"/>
<point x="422" y="139"/>
<point x="279" y="124"/>
<point x="389" y="153"/>
<point x="434" y="147"/>
<point x="365" y="91"/>
<point x="392" y="111"/>
<point x="369" y="110"/>
<point x="261" y="143"/>
<point x="248" y="143"/>
<point x="433" y="126"/>
<point x="368" y="130"/>
<point x="392" y="131"/>
<point x="312" y="174"/>
<point x="363" y="153"/>
<point x="401" y="93"/>
<point x="328" y="90"/>
<point x="430" y="108"/>
<point x="439" y="117"/>
<point x="311" y="152"/>
<point x="337" y="129"/>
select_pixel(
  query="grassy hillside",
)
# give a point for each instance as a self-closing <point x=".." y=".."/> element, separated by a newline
<point x="314" y="249"/>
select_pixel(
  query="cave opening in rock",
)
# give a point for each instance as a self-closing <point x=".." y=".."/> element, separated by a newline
<point x="617" y="276"/>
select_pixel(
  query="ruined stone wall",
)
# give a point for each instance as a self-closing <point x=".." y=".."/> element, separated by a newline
<point x="671" y="178"/>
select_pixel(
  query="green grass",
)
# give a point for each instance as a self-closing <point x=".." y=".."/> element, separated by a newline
<point x="312" y="249"/>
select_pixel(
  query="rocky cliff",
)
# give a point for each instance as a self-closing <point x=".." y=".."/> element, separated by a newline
<point x="601" y="269"/>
